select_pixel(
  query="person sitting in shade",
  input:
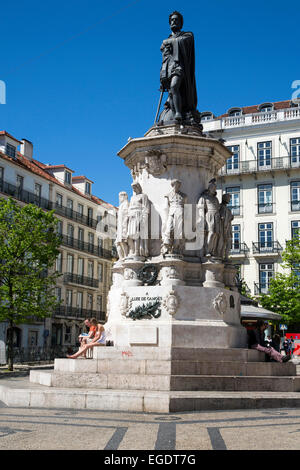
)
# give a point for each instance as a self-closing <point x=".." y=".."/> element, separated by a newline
<point x="98" y="340"/>
<point x="256" y="341"/>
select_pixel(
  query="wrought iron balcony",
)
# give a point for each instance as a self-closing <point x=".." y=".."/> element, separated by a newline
<point x="265" y="208"/>
<point x="87" y="247"/>
<point x="77" y="312"/>
<point x="32" y="198"/>
<point x="24" y="195"/>
<point x="239" y="249"/>
<point x="295" y="205"/>
<point x="261" y="288"/>
<point x="82" y="280"/>
<point x="268" y="164"/>
<point x="266" y="247"/>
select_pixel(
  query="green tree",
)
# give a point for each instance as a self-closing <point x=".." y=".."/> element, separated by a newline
<point x="28" y="250"/>
<point x="284" y="289"/>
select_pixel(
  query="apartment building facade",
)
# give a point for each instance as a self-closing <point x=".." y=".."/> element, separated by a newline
<point x="263" y="178"/>
<point x="87" y="228"/>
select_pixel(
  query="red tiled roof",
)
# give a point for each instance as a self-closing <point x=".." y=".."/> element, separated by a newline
<point x="39" y="168"/>
<point x="9" y="135"/>
<point x="255" y="108"/>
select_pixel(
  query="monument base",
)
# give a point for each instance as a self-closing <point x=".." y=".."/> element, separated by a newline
<point x="175" y="316"/>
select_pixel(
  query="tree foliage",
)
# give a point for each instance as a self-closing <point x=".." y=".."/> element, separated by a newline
<point x="284" y="289"/>
<point x="28" y="250"/>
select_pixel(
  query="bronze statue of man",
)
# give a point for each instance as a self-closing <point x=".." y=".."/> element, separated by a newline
<point x="177" y="75"/>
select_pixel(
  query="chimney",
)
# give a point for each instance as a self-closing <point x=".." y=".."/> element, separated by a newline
<point x="26" y="149"/>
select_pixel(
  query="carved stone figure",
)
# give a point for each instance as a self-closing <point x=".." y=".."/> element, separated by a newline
<point x="138" y="220"/>
<point x="226" y="217"/>
<point x="177" y="74"/>
<point x="122" y="226"/>
<point x="173" y="234"/>
<point x="209" y="207"/>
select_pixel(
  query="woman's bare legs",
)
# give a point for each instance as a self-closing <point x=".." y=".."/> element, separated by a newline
<point x="84" y="349"/>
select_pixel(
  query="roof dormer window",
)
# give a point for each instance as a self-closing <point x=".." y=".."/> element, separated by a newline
<point x="87" y="188"/>
<point x="10" y="150"/>
<point x="266" y="108"/>
<point x="206" y="116"/>
<point x="67" y="177"/>
<point x="234" y="112"/>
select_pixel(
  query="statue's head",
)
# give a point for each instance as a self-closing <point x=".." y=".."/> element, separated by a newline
<point x="176" y="184"/>
<point x="137" y="188"/>
<point x="123" y="196"/>
<point x="176" y="21"/>
<point x="212" y="187"/>
<point x="226" y="198"/>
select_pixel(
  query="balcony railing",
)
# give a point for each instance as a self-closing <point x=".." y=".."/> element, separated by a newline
<point x="77" y="312"/>
<point x="261" y="288"/>
<point x="82" y="280"/>
<point x="268" y="164"/>
<point x="24" y="195"/>
<point x="295" y="205"/>
<point x="265" y="208"/>
<point x="31" y="198"/>
<point x="266" y="247"/>
<point x="239" y="249"/>
<point x="87" y="247"/>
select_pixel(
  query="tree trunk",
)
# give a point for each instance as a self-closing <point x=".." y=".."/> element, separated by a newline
<point x="10" y="349"/>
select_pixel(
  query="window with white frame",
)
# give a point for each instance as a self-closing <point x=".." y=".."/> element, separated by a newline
<point x="99" y="303"/>
<point x="80" y="209"/>
<point x="234" y="204"/>
<point x="70" y="263"/>
<point x="59" y="227"/>
<point x="233" y="162"/>
<point x="295" y="151"/>
<point x="58" y="264"/>
<point x="295" y="229"/>
<point x="264" y="155"/>
<point x="266" y="273"/>
<point x="10" y="150"/>
<point x="100" y="272"/>
<point x="80" y="267"/>
<point x="20" y="183"/>
<point x="79" y="301"/>
<point x="59" y="200"/>
<point x="265" y="236"/>
<point x="69" y="298"/>
<point x="90" y="302"/>
<point x="58" y="294"/>
<point x="87" y="188"/>
<point x="265" y="198"/>
<point x="68" y="177"/>
<point x="90" y="271"/>
<point x="295" y="196"/>
<point x="236" y="238"/>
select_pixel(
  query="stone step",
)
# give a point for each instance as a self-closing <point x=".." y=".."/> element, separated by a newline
<point x="174" y="367"/>
<point x="25" y="394"/>
<point x="166" y="382"/>
<point x="193" y="354"/>
<point x="235" y="383"/>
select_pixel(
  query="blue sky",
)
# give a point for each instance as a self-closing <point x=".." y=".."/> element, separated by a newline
<point x="81" y="77"/>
